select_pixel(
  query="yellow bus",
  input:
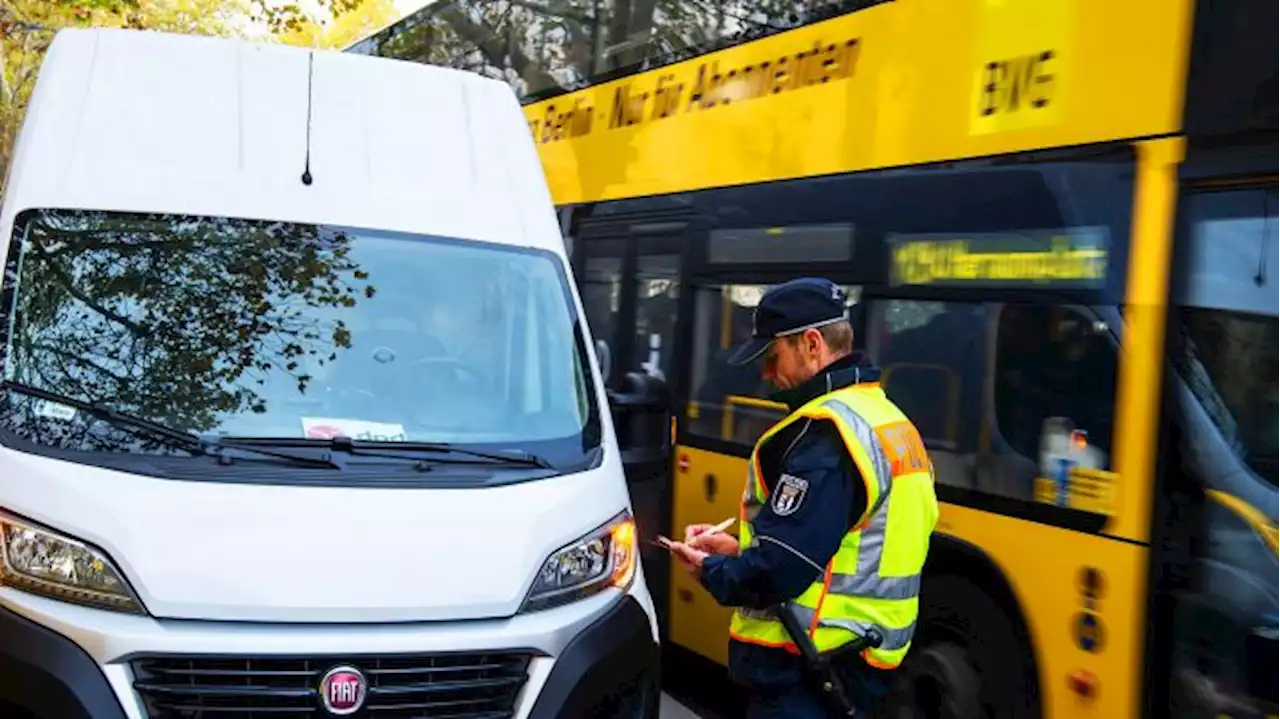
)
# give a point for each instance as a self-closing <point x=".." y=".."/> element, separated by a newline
<point x="1057" y="222"/>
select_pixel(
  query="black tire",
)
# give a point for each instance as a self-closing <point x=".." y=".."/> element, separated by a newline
<point x="938" y="682"/>
<point x="968" y="660"/>
<point x="10" y="711"/>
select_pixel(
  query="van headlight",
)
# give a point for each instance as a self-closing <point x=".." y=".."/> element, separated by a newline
<point x="40" y="561"/>
<point x="604" y="557"/>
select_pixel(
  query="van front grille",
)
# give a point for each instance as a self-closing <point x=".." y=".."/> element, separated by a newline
<point x="438" y="686"/>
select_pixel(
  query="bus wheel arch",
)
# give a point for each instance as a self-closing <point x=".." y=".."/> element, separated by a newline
<point x="970" y="614"/>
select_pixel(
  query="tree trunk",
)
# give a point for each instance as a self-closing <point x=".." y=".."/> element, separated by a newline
<point x="496" y="50"/>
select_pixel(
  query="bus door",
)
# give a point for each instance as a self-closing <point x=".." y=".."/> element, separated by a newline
<point x="630" y="278"/>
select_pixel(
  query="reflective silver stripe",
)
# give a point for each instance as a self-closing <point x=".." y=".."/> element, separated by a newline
<point x="758" y="613"/>
<point x="892" y="638"/>
<point x="871" y="543"/>
<point x="870" y="443"/>
<point x="866" y="580"/>
<point x="870" y="586"/>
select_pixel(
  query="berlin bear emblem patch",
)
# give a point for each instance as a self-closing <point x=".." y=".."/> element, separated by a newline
<point x="789" y="494"/>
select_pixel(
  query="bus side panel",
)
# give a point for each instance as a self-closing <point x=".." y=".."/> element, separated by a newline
<point x="915" y="82"/>
<point x="1071" y="630"/>
<point x="708" y="490"/>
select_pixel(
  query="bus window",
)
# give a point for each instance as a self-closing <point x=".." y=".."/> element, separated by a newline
<point x="729" y="403"/>
<point x="932" y="355"/>
<point x="772" y="245"/>
<point x="657" y="296"/>
<point x="1053" y="383"/>
<point x="601" y="291"/>
<point x="1054" y="397"/>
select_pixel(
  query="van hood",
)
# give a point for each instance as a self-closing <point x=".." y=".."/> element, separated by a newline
<point x="229" y="551"/>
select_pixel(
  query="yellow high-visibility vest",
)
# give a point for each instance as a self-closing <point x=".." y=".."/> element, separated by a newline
<point x="873" y="580"/>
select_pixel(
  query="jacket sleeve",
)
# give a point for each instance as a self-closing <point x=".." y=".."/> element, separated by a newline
<point x="798" y="530"/>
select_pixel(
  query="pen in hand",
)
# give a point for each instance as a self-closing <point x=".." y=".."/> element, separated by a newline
<point x="717" y="528"/>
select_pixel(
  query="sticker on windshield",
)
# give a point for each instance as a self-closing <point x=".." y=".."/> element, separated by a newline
<point x="325" y="428"/>
<point x="53" y="410"/>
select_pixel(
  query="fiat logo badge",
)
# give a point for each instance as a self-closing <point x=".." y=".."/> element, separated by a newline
<point x="342" y="690"/>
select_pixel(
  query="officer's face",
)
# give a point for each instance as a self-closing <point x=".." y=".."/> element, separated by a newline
<point x="791" y="361"/>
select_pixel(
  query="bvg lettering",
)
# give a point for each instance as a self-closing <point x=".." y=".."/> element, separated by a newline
<point x="1013" y="84"/>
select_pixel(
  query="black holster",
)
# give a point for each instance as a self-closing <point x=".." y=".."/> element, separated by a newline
<point x="825" y="667"/>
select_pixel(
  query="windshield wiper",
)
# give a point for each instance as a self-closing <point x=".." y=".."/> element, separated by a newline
<point x="405" y="450"/>
<point x="173" y="437"/>
<point x="519" y="457"/>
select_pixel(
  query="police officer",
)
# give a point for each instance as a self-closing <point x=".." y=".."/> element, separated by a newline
<point x="816" y="528"/>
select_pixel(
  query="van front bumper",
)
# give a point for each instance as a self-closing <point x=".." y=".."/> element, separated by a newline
<point x="44" y="674"/>
<point x="596" y="657"/>
<point x="609" y="670"/>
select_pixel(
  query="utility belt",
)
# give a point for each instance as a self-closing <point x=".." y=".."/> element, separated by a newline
<point x="825" y="668"/>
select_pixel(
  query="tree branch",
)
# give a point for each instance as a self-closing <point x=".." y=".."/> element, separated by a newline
<point x="495" y="50"/>
<point x="582" y="18"/>
<point x="68" y="284"/>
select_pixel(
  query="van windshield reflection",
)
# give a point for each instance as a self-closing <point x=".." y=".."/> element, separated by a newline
<point x="1228" y="360"/>
<point x="260" y="329"/>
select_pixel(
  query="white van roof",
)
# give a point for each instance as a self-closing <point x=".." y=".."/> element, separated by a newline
<point x="128" y="120"/>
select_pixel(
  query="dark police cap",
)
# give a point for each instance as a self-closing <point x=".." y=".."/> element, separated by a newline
<point x="791" y="308"/>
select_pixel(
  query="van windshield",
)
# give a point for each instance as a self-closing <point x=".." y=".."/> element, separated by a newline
<point x="261" y="329"/>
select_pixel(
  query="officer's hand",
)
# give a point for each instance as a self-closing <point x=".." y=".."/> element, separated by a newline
<point x="690" y="559"/>
<point x="694" y="530"/>
<point x="720" y="544"/>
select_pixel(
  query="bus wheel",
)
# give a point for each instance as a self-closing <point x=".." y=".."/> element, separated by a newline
<point x="938" y="682"/>
<point x="969" y="646"/>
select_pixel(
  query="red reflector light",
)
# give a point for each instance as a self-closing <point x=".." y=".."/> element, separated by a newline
<point x="1083" y="683"/>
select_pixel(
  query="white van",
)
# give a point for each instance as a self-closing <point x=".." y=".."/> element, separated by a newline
<point x="298" y="411"/>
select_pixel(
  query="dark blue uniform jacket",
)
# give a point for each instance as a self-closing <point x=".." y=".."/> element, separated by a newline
<point x="795" y="547"/>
